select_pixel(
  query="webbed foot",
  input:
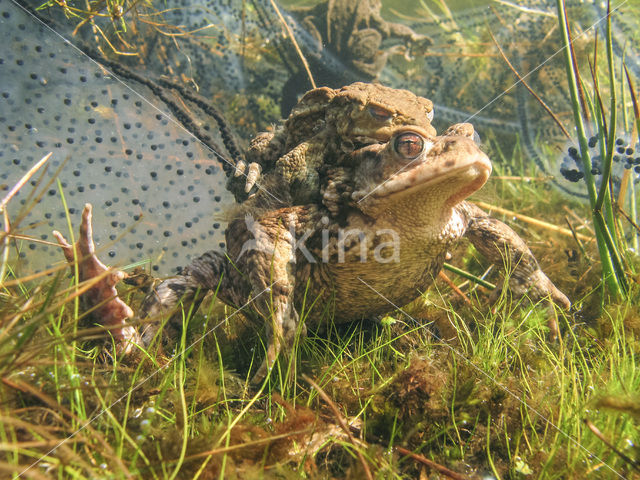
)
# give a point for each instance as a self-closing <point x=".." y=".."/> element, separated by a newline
<point x="99" y="281"/>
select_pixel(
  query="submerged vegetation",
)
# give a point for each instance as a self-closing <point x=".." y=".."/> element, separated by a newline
<point x="450" y="385"/>
<point x="600" y="199"/>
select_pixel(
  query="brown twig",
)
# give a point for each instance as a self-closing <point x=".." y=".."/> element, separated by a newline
<point x="604" y="440"/>
<point x="627" y="217"/>
<point x="443" y="276"/>
<point x="431" y="464"/>
<point x="532" y="221"/>
<point x="253" y="443"/>
<point x="634" y="98"/>
<point x="343" y="424"/>
<point x="575" y="236"/>
<point x="295" y="44"/>
<point x="578" y="219"/>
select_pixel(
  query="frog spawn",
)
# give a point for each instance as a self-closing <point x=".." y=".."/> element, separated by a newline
<point x="625" y="157"/>
<point x="527" y="31"/>
<point x="148" y="178"/>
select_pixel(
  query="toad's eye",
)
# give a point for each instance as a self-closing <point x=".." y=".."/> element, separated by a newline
<point x="379" y="113"/>
<point x="408" y="145"/>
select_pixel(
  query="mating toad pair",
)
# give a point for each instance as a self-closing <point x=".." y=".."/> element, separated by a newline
<point x="350" y="207"/>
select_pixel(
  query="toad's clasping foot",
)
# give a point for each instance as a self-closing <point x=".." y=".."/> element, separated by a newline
<point x="100" y="295"/>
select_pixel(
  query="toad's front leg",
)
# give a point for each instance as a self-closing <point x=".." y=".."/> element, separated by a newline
<point x="258" y="272"/>
<point x="502" y="246"/>
<point x="208" y="272"/>
<point x="100" y="297"/>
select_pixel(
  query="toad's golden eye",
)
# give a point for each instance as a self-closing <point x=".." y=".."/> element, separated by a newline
<point x="379" y="113"/>
<point x="408" y="145"/>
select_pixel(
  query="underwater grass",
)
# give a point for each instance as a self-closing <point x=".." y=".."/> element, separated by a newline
<point x="471" y="390"/>
<point x="600" y="199"/>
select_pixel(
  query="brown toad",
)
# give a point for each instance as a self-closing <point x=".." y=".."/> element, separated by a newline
<point x="324" y="125"/>
<point x="346" y="44"/>
<point x="402" y="210"/>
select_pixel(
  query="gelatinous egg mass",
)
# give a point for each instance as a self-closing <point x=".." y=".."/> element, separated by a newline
<point x="157" y="193"/>
<point x="625" y="158"/>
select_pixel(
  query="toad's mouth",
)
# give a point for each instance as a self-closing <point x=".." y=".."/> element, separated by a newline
<point x="453" y="166"/>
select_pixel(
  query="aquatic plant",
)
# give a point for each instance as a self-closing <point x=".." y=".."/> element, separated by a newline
<point x="600" y="197"/>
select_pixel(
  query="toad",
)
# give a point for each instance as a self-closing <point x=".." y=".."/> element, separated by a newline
<point x="323" y="125"/>
<point x="402" y="208"/>
<point x="347" y="44"/>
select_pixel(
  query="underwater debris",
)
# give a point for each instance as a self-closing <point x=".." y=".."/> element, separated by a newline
<point x="102" y="295"/>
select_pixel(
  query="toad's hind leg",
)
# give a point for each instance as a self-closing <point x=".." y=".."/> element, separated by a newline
<point x="270" y="268"/>
<point x="208" y="272"/>
<point x="265" y="251"/>
<point x="502" y="246"/>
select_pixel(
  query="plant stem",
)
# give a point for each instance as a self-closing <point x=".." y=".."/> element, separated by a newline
<point x="469" y="276"/>
<point x="610" y="276"/>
